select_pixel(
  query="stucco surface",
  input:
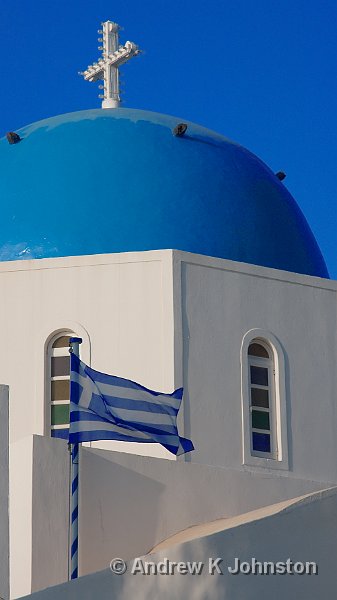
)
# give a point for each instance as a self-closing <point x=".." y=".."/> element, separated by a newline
<point x="302" y="532"/>
<point x="207" y="529"/>
<point x="218" y="307"/>
<point x="118" y="304"/>
<point x="168" y="319"/>
<point x="128" y="503"/>
<point x="50" y="512"/>
<point x="4" y="492"/>
<point x="143" y="501"/>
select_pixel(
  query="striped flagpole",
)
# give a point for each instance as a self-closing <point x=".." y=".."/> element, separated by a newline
<point x="74" y="346"/>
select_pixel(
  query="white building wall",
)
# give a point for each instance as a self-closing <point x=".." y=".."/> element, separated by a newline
<point x="143" y="501"/>
<point x="220" y="302"/>
<point x="122" y="306"/>
<point x="20" y="512"/>
<point x="4" y="492"/>
<point x="50" y="512"/>
<point x="129" y="504"/>
<point x="302" y="532"/>
<point x="167" y="318"/>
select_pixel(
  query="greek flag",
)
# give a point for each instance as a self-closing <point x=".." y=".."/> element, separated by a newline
<point x="105" y="407"/>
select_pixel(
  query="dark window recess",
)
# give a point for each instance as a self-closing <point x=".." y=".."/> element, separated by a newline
<point x="60" y="390"/>
<point x="260" y="420"/>
<point x="259" y="397"/>
<point x="261" y="442"/>
<point x="60" y="414"/>
<point x="258" y="350"/>
<point x="60" y="366"/>
<point x="62" y="342"/>
<point x="259" y="376"/>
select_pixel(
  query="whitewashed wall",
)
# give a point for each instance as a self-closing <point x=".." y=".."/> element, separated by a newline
<point x="122" y="306"/>
<point x="142" y="501"/>
<point x="129" y="504"/>
<point x="220" y="302"/>
<point x="302" y="532"/>
<point x="50" y="512"/>
<point x="164" y="318"/>
<point x="4" y="492"/>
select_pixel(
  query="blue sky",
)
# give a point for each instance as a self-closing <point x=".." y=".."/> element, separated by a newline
<point x="260" y="72"/>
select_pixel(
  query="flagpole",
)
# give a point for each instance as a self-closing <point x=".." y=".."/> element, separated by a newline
<point x="74" y="347"/>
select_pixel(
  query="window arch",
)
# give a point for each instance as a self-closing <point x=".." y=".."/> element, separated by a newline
<point x="58" y="388"/>
<point x="264" y="421"/>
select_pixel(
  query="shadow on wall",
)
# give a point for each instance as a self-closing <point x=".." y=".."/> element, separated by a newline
<point x="112" y="496"/>
<point x="301" y="533"/>
<point x="4" y="491"/>
<point x="186" y="343"/>
<point x="50" y="511"/>
<point x="287" y="369"/>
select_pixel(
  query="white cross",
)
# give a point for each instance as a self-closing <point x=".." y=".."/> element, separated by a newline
<point x="113" y="56"/>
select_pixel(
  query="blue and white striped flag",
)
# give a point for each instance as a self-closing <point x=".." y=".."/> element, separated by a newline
<point x="105" y="407"/>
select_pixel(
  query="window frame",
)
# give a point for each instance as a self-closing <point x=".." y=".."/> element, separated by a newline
<point x="52" y="352"/>
<point x="265" y="363"/>
<point x="50" y="331"/>
<point x="278" y="457"/>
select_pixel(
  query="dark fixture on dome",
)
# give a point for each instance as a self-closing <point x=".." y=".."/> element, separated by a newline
<point x="12" y="137"/>
<point x="180" y="129"/>
<point x="280" y="175"/>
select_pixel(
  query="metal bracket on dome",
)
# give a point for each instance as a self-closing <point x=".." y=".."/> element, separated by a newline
<point x="13" y="138"/>
<point x="113" y="57"/>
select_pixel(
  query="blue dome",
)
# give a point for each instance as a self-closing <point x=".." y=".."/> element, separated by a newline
<point x="102" y="181"/>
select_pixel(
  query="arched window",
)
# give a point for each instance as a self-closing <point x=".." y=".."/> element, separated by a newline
<point x="264" y="403"/>
<point x="58" y="385"/>
<point x="262" y="400"/>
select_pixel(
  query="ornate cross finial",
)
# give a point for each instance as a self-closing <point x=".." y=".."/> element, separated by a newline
<point x="113" y="56"/>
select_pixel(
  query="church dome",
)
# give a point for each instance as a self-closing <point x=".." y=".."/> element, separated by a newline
<point x="102" y="181"/>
